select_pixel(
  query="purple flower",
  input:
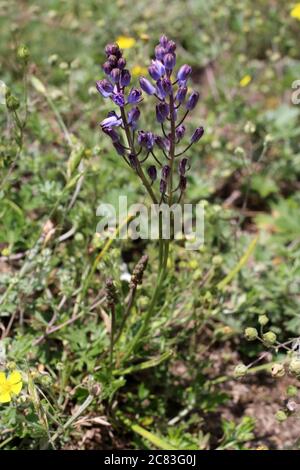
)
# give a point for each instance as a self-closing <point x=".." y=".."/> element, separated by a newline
<point x="171" y="46"/>
<point x="180" y="131"/>
<point x="134" y="96"/>
<point x="181" y="94"/>
<point x="113" y="61"/>
<point x="111" y="133"/>
<point x="152" y="172"/>
<point x="163" y="41"/>
<point x="169" y="61"/>
<point x="182" y="166"/>
<point x="156" y="69"/>
<point x="104" y="87"/>
<point x="162" y="186"/>
<point x="162" y="111"/>
<point x="146" y="139"/>
<point x="125" y="78"/>
<point x="118" y="99"/>
<point x="192" y="101"/>
<point x="146" y="86"/>
<point x="164" y="87"/>
<point x="107" y="68"/>
<point x="198" y="133"/>
<point x="182" y="183"/>
<point x="133" y="161"/>
<point x="133" y="116"/>
<point x="115" y="75"/>
<point x="184" y="72"/>
<point x="161" y="142"/>
<point x="165" y="172"/>
<point x="111" y="120"/>
<point x="119" y="148"/>
<point x="121" y="63"/>
<point x="112" y="49"/>
<point x="160" y="52"/>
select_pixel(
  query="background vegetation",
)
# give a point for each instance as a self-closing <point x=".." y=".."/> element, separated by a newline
<point x="56" y="167"/>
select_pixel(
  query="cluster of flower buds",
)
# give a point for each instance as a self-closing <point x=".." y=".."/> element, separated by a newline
<point x="170" y="90"/>
<point x="138" y="272"/>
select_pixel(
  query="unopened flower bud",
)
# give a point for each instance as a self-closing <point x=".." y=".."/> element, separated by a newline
<point x="180" y="131"/>
<point x="12" y="103"/>
<point x="198" y="133"/>
<point x="181" y="94"/>
<point x="115" y="75"/>
<point x="165" y="172"/>
<point x="152" y="172"/>
<point x="107" y="67"/>
<point x="23" y="54"/>
<point x="162" y="186"/>
<point x="121" y="64"/>
<point x="160" y="52"/>
<point x="294" y="366"/>
<point x="146" y="86"/>
<point x="281" y="416"/>
<point x="169" y="61"/>
<point x="277" y="370"/>
<point x="133" y="116"/>
<point x="251" y="334"/>
<point x="182" y="183"/>
<point x="162" y="111"/>
<point x="125" y="78"/>
<point x="112" y="49"/>
<point x="269" y="338"/>
<point x="192" y="101"/>
<point x="263" y="320"/>
<point x="182" y="166"/>
<point x="184" y="72"/>
<point x="240" y="370"/>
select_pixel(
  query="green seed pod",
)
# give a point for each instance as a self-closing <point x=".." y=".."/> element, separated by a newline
<point x="294" y="366"/>
<point x="263" y="320"/>
<point x="269" y="338"/>
<point x="281" y="416"/>
<point x="23" y="54"/>
<point x="251" y="334"/>
<point x="277" y="370"/>
<point x="292" y="391"/>
<point x="12" y="103"/>
<point x="240" y="370"/>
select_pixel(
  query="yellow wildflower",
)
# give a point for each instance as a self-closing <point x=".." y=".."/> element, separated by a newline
<point x="125" y="42"/>
<point x="295" y="11"/>
<point x="138" y="70"/>
<point x="245" y="81"/>
<point x="10" y="385"/>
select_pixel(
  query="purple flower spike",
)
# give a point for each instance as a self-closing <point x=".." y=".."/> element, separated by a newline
<point x="133" y="117"/>
<point x="104" y="87"/>
<point x="115" y="75"/>
<point x="170" y="61"/>
<point x="181" y="94"/>
<point x="184" y="72"/>
<point x="180" y="131"/>
<point x="134" y="96"/>
<point x="146" y="86"/>
<point x="182" y="167"/>
<point x="162" y="111"/>
<point x="198" y="133"/>
<point x="165" y="171"/>
<point x="192" y="101"/>
<point x="125" y="78"/>
<point x="118" y="99"/>
<point x="152" y="172"/>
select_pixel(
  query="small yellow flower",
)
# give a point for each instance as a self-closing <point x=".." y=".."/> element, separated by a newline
<point x="245" y="81"/>
<point x="125" y="42"/>
<point x="10" y="385"/>
<point x="295" y="11"/>
<point x="138" y="70"/>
